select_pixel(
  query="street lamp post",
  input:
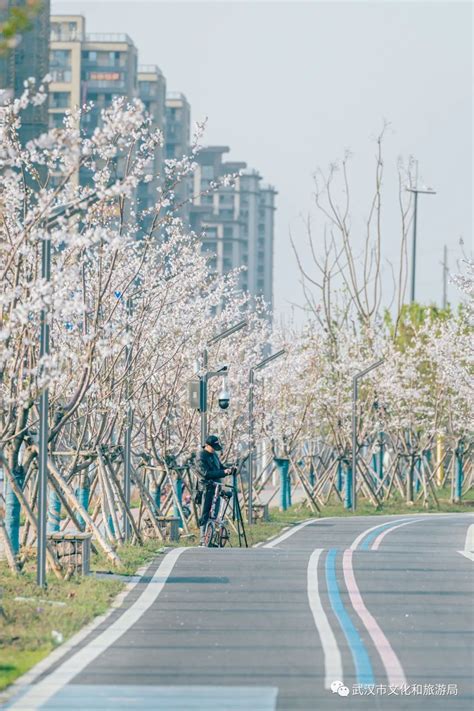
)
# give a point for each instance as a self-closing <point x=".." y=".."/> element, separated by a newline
<point x="43" y="427"/>
<point x="127" y="453"/>
<point x="416" y="192"/>
<point x="206" y="376"/>
<point x="355" y="395"/>
<point x="252" y="370"/>
<point x="65" y="210"/>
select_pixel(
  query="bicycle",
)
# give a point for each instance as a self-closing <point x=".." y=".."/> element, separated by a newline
<point x="216" y="533"/>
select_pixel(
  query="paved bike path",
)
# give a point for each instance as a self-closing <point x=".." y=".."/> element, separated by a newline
<point x="233" y="629"/>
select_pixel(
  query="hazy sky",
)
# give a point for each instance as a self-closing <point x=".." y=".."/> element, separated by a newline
<point x="290" y="85"/>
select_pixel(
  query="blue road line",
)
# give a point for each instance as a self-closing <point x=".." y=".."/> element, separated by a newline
<point x="361" y="659"/>
<point x="364" y="546"/>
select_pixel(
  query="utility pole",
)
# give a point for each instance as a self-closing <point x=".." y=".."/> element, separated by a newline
<point x="355" y="419"/>
<point x="416" y="192"/>
<point x="445" y="277"/>
<point x="252" y="370"/>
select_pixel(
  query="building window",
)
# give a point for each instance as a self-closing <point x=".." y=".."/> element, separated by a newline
<point x="207" y="172"/>
<point x="210" y="245"/>
<point x="56" y="120"/>
<point x="106" y="59"/>
<point x="228" y="247"/>
<point x="60" y="65"/>
<point x="147" y="89"/>
<point x="60" y="58"/>
<point x="64" y="31"/>
<point x="60" y="99"/>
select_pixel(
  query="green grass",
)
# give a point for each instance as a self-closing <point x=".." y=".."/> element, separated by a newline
<point x="26" y="626"/>
<point x="131" y="557"/>
<point x="15" y="662"/>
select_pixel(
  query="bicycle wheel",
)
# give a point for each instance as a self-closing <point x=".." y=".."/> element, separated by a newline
<point x="210" y="535"/>
<point x="224" y="536"/>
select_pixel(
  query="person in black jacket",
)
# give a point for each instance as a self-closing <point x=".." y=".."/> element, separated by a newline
<point x="210" y="469"/>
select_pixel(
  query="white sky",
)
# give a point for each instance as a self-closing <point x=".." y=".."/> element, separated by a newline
<point x="290" y="85"/>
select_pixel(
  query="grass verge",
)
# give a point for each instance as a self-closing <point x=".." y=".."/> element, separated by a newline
<point x="34" y="620"/>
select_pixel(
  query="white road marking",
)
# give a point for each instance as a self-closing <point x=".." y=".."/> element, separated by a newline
<point x="332" y="655"/>
<point x="276" y="541"/>
<point x="362" y="535"/>
<point x="40" y="693"/>
<point x="79" y="697"/>
<point x="468" y="551"/>
<point x="376" y="544"/>
<point x="291" y="532"/>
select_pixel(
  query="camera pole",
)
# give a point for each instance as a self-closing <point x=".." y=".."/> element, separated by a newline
<point x="355" y="420"/>
<point x="205" y="377"/>
<point x="203" y="397"/>
<point x="252" y="370"/>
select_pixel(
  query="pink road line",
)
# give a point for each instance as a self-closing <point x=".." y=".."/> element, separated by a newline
<point x="395" y="674"/>
<point x="381" y="536"/>
<point x="362" y="535"/>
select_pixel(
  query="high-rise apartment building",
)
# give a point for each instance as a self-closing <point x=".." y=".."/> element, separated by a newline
<point x="29" y="58"/>
<point x="152" y="92"/>
<point x="178" y="136"/>
<point x="109" y="68"/>
<point x="94" y="67"/>
<point x="237" y="222"/>
<point x="88" y="68"/>
<point x="97" y="68"/>
<point x="65" y="89"/>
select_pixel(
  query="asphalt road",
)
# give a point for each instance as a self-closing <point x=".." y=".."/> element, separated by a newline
<point x="388" y="613"/>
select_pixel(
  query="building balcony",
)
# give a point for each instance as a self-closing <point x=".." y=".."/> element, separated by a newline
<point x="66" y="36"/>
<point x="113" y="37"/>
<point x="176" y="95"/>
<point x="105" y="84"/>
<point x="150" y="69"/>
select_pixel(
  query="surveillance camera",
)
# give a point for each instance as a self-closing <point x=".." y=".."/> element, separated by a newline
<point x="224" y="399"/>
<point x="222" y="369"/>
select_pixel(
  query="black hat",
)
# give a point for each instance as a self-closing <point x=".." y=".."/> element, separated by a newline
<point x="213" y="441"/>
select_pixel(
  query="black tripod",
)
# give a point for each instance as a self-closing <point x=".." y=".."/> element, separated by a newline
<point x="237" y="511"/>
